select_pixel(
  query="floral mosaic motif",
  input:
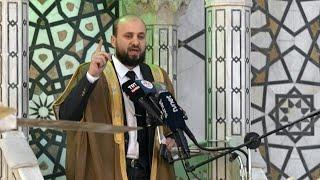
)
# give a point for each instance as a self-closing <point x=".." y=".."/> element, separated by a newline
<point x="62" y="35"/>
<point x="40" y="107"/>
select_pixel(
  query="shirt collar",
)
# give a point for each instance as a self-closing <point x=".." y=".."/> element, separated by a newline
<point x="122" y="69"/>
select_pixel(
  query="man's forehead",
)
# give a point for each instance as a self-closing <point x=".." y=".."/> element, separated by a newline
<point x="131" y="20"/>
<point x="135" y="21"/>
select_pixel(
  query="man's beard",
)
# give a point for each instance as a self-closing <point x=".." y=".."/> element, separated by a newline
<point x="132" y="62"/>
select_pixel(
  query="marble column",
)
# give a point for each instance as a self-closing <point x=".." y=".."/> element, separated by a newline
<point x="14" y="63"/>
<point x="161" y="20"/>
<point x="227" y="75"/>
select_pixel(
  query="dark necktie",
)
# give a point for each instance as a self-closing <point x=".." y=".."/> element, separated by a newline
<point x="140" y="114"/>
<point x="131" y="75"/>
<point x="139" y="111"/>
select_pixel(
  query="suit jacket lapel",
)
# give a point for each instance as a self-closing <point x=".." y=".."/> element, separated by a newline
<point x="146" y="72"/>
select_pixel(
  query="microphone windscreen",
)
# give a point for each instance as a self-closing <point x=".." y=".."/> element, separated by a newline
<point x="146" y="86"/>
<point x="132" y="89"/>
<point x="160" y="87"/>
<point x="173" y="114"/>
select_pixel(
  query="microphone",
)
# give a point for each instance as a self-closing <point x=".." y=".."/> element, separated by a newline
<point x="140" y="94"/>
<point x="174" y="117"/>
<point x="146" y="86"/>
<point x="150" y="91"/>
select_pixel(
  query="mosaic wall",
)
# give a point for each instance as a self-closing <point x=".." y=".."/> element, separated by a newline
<point x="285" y="85"/>
<point x="62" y="35"/>
<point x="285" y="80"/>
<point x="190" y="66"/>
<point x="285" y="74"/>
<point x="191" y="78"/>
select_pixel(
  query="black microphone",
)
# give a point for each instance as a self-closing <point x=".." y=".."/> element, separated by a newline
<point x="150" y="92"/>
<point x="174" y="117"/>
<point x="140" y="94"/>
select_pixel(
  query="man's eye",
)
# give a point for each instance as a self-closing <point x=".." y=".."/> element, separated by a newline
<point x="141" y="37"/>
<point x="128" y="36"/>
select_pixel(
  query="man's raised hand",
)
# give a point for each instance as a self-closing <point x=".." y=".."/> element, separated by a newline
<point x="99" y="60"/>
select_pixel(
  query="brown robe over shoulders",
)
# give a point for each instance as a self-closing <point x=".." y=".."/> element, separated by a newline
<point x="101" y="156"/>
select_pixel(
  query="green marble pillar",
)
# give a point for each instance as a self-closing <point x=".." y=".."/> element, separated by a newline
<point x="227" y="75"/>
<point x="14" y="62"/>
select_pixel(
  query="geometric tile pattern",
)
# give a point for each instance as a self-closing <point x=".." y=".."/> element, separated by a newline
<point x="191" y="44"/>
<point x="14" y="55"/>
<point x="62" y="35"/>
<point x="227" y="75"/>
<point x="162" y="48"/>
<point x="285" y="68"/>
<point x="187" y="44"/>
<point x="13" y="63"/>
<point x="49" y="147"/>
<point x="285" y="63"/>
<point x="290" y="106"/>
<point x="40" y="107"/>
<point x="190" y="77"/>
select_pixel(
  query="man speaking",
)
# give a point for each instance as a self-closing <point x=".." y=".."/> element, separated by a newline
<point x="94" y="95"/>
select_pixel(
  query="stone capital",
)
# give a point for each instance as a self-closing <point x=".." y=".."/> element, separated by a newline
<point x="165" y="12"/>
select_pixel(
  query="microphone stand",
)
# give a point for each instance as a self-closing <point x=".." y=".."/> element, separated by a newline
<point x="252" y="141"/>
<point x="154" y="118"/>
<point x="193" y="139"/>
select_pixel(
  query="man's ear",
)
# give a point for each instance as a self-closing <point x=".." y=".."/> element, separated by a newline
<point x="113" y="41"/>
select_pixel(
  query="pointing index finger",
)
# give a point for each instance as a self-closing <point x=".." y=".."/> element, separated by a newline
<point x="99" y="45"/>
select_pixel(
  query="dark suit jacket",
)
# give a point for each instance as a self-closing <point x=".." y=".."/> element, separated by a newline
<point x="97" y="155"/>
<point x="74" y="105"/>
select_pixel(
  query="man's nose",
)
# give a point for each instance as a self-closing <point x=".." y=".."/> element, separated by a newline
<point x="135" y="41"/>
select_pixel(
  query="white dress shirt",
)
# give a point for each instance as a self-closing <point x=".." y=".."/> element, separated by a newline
<point x="121" y="70"/>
